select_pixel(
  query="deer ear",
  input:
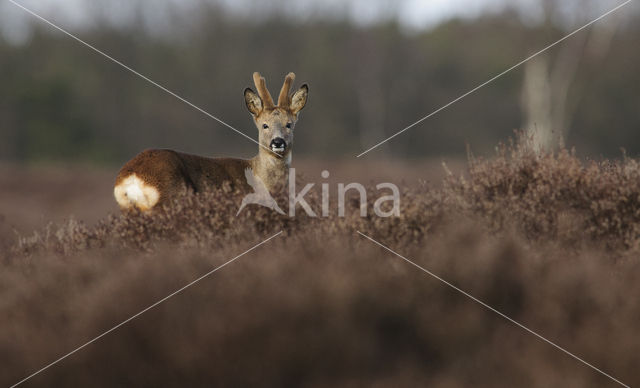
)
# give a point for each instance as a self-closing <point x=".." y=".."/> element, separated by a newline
<point x="299" y="99"/>
<point x="253" y="101"/>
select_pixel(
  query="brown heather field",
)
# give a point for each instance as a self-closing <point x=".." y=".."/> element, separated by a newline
<point x="551" y="241"/>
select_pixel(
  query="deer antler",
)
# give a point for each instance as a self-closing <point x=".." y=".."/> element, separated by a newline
<point x="284" y="100"/>
<point x="263" y="92"/>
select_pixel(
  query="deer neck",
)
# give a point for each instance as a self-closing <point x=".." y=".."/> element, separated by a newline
<point x="272" y="170"/>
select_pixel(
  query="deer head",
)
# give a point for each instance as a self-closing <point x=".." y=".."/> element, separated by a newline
<point x="275" y="122"/>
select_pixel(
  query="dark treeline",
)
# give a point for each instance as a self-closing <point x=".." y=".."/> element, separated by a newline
<point x="60" y="101"/>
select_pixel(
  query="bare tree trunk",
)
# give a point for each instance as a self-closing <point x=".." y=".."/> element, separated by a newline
<point x="536" y="103"/>
<point x="545" y="92"/>
<point x="545" y="99"/>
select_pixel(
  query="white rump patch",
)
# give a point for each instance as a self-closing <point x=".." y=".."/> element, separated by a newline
<point x="132" y="191"/>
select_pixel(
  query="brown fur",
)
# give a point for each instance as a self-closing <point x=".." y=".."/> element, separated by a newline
<point x="182" y="172"/>
<point x="172" y="173"/>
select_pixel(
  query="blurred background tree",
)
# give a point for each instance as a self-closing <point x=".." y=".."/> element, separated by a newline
<point x="546" y="103"/>
<point x="373" y="69"/>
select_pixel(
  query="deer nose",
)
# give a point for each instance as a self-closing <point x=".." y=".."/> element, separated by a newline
<point x="278" y="143"/>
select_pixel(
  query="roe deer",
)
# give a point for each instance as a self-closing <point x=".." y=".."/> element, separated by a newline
<point x="153" y="177"/>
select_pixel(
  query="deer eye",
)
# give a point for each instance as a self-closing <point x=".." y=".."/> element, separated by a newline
<point x="288" y="125"/>
<point x="265" y="126"/>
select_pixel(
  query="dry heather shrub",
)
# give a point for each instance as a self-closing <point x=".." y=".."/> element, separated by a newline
<point x="554" y="197"/>
<point x="192" y="220"/>
<point x="304" y="311"/>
